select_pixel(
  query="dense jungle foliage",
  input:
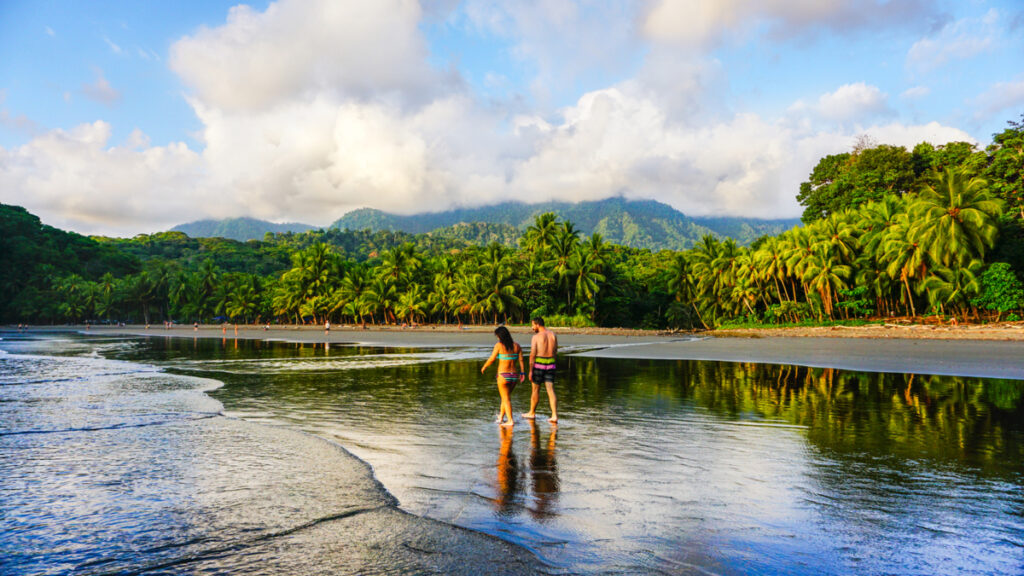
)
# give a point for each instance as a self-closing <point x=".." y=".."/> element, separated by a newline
<point x="887" y="232"/>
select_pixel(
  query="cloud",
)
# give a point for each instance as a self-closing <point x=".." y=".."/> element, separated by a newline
<point x="565" y="40"/>
<point x="257" y="60"/>
<point x="100" y="90"/>
<point x="960" y="40"/>
<point x="75" y="180"/>
<point x="49" y="31"/>
<point x="998" y="99"/>
<point x="309" y="110"/>
<point x="147" y="54"/>
<point x="617" y="142"/>
<point x="854" y="102"/>
<point x="916" y="93"/>
<point x="700" y="25"/>
<point x="113" y="47"/>
<point x="849" y="104"/>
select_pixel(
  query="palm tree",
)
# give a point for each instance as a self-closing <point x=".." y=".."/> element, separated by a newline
<point x="104" y="297"/>
<point x="399" y="263"/>
<point x="140" y="291"/>
<point x="769" y="259"/>
<point x="541" y="234"/>
<point x="380" y="297"/>
<point x="838" y="234"/>
<point x="72" y="291"/>
<point x="317" y="268"/>
<point x="562" y="249"/>
<point x="288" y="296"/>
<point x="955" y="216"/>
<point x="412" y="303"/>
<point x="242" y="301"/>
<point x="953" y="286"/>
<point x="826" y="275"/>
<point x="681" y="285"/>
<point x="585" y="266"/>
<point x="723" y="273"/>
<point x="496" y="292"/>
<point x="905" y="257"/>
<point x="441" y="297"/>
<point x="208" y="277"/>
<point x="465" y="295"/>
<point x="598" y="250"/>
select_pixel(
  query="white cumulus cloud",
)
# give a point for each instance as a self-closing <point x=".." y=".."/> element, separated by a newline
<point x="75" y="179"/>
<point x="100" y="90"/>
<point x="854" y="102"/>
<point x="699" y="23"/>
<point x="310" y="109"/>
<point x="297" y="48"/>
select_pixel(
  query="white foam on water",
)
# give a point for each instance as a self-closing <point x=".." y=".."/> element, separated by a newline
<point x="323" y="364"/>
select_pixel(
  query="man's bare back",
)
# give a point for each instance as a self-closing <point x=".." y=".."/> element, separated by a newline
<point x="543" y="347"/>
<point x="544" y="343"/>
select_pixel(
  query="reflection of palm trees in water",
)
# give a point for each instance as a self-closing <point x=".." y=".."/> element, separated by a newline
<point x="544" y="472"/>
<point x="508" y="475"/>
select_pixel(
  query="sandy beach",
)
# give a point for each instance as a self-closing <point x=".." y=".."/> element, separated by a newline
<point x="990" y="351"/>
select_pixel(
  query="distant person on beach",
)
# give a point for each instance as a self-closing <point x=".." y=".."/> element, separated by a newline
<point x="507" y="352"/>
<point x="327" y="327"/>
<point x="195" y="326"/>
<point x="543" y="348"/>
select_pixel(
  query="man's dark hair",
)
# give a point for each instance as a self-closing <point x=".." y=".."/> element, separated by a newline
<point x="538" y="321"/>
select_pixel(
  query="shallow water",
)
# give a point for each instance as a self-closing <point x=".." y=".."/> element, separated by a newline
<point x="657" y="466"/>
<point x="115" y="467"/>
<point x="670" y="466"/>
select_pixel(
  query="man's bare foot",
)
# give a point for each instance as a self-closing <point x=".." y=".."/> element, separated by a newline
<point x="553" y="419"/>
<point x="528" y="415"/>
<point x="509" y="423"/>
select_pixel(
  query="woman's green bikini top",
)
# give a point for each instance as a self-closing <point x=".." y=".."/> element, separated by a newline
<point x="508" y="356"/>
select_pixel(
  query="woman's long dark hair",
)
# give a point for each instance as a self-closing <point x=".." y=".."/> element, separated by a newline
<point x="505" y="338"/>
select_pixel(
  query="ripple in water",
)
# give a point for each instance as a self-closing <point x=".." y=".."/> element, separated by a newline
<point x="115" y="467"/>
<point x="676" y="467"/>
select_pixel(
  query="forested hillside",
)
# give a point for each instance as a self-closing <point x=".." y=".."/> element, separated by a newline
<point x="889" y="232"/>
<point x="240" y="229"/>
<point x="634" y="223"/>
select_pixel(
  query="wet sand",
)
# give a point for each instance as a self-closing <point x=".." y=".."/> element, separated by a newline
<point x="976" y="351"/>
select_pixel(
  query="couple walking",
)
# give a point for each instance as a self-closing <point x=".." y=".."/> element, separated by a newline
<point x="543" y="347"/>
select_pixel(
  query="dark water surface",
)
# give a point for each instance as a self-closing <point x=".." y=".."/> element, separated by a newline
<point x="673" y="467"/>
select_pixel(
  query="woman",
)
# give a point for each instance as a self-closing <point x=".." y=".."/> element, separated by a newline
<point x="506" y="351"/>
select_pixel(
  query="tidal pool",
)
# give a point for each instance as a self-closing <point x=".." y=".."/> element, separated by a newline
<point x="675" y="467"/>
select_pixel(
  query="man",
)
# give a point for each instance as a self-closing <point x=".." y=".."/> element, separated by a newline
<point x="543" y="347"/>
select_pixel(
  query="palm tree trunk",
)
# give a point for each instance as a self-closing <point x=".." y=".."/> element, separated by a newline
<point x="699" y="317"/>
<point x="910" y="297"/>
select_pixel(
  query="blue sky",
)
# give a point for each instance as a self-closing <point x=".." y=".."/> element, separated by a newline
<point x="128" y="117"/>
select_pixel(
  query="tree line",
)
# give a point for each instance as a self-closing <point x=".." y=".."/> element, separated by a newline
<point x="887" y="232"/>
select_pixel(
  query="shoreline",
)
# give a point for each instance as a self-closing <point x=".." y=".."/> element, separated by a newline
<point x="981" y="352"/>
<point x="1007" y="331"/>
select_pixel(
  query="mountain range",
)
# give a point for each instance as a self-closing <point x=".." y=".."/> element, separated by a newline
<point x="240" y="229"/>
<point x="636" y="223"/>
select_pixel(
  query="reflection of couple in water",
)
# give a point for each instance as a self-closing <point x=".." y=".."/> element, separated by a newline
<point x="543" y="348"/>
<point x="543" y="472"/>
